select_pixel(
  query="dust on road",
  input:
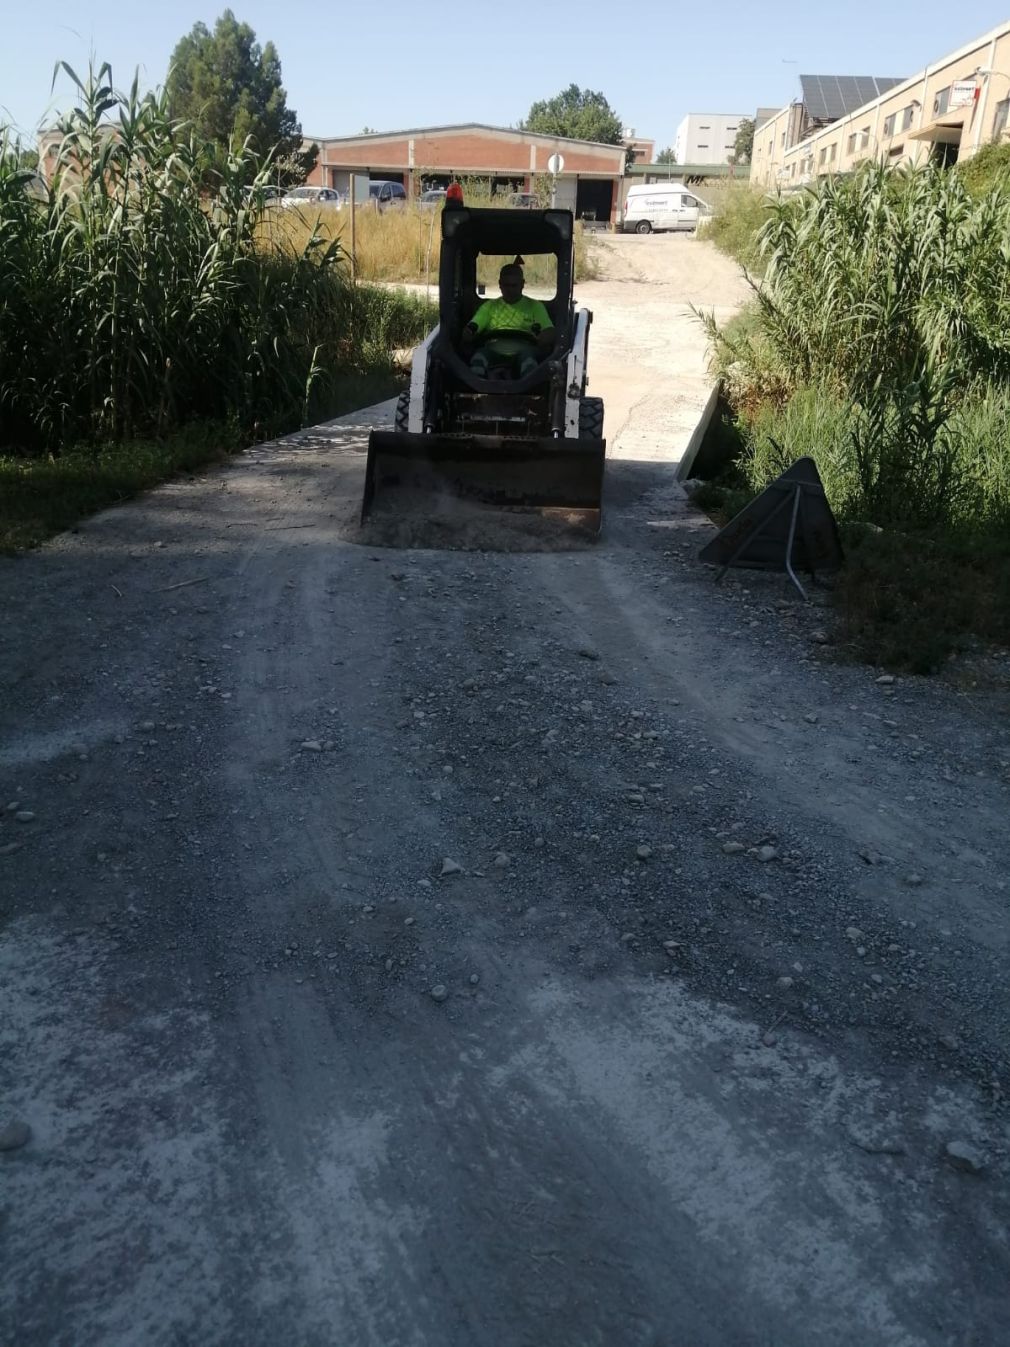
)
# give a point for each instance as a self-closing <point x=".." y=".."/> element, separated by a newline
<point x="723" y="932"/>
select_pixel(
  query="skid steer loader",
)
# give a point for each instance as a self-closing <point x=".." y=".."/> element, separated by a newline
<point x="533" y="442"/>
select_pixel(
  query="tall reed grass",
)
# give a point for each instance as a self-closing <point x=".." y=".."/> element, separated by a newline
<point x="878" y="343"/>
<point x="886" y="295"/>
<point x="139" y="296"/>
<point x="879" y="277"/>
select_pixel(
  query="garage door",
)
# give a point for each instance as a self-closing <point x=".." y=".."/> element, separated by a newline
<point x="564" y="198"/>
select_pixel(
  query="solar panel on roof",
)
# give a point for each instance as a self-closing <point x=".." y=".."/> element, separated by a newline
<point x="828" y="97"/>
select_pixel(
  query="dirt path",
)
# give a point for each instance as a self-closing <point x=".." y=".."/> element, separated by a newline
<point x="284" y="787"/>
<point x="647" y="357"/>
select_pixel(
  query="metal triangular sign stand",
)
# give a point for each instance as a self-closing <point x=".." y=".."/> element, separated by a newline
<point x="790" y="525"/>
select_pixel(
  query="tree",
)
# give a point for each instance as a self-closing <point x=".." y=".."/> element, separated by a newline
<point x="579" y="114"/>
<point x="666" y="156"/>
<point x="743" y="145"/>
<point x="230" y="89"/>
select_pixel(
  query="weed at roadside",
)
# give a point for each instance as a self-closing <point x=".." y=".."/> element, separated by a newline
<point x="46" y="494"/>
<point x="738" y="213"/>
<point x="910" y="601"/>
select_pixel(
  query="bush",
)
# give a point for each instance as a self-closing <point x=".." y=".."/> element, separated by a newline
<point x="885" y="307"/>
<point x="988" y="168"/>
<point x="877" y="344"/>
<point x="938" y="575"/>
<point x="912" y="601"/>
<point x="738" y="213"/>
<point x="746" y="361"/>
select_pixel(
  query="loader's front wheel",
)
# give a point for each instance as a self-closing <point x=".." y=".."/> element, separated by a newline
<point x="591" y="419"/>
<point x="401" y="419"/>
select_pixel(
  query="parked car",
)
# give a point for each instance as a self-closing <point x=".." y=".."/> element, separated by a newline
<point x="313" y="196"/>
<point x="36" y="187"/>
<point x="270" y="196"/>
<point x="432" y="198"/>
<point x="382" y="194"/>
<point x="662" y="205"/>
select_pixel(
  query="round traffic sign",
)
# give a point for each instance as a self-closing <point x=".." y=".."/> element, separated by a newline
<point x="555" y="164"/>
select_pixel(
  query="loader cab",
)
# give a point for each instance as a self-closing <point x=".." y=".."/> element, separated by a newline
<point x="477" y="243"/>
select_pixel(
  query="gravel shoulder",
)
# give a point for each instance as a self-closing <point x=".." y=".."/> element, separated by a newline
<point x="489" y="946"/>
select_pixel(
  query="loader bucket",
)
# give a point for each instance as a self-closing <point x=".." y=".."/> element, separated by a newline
<point x="555" y="477"/>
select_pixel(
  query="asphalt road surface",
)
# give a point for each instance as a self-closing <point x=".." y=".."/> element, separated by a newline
<point x="506" y="945"/>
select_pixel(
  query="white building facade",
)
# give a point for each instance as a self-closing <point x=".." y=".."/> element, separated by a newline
<point x="707" y="137"/>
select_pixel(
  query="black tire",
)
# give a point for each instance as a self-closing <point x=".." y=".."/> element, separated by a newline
<point x="402" y="411"/>
<point x="643" y="227"/>
<point x="591" y="419"/>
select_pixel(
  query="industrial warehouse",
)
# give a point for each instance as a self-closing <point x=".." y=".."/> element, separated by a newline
<point x="589" y="183"/>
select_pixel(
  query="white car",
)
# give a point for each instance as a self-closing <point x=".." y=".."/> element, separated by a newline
<point x="313" y="196"/>
<point x="662" y="205"/>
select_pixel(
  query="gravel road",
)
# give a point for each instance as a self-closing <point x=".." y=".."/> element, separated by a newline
<point x="501" y="947"/>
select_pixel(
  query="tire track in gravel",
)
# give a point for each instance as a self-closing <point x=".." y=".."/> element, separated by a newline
<point x="757" y="712"/>
<point x="440" y="1109"/>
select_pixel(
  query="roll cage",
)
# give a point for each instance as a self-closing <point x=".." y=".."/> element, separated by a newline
<point x="466" y="234"/>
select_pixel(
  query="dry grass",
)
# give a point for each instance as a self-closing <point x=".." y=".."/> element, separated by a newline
<point x="403" y="244"/>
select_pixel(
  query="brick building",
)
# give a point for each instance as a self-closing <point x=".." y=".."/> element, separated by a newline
<point x="643" y="150"/>
<point x="589" y="185"/>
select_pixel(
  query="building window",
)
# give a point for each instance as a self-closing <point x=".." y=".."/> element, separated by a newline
<point x="852" y="143"/>
<point x="822" y="156"/>
<point x="771" y="145"/>
<point x="865" y="138"/>
<point x="832" y="151"/>
<point x="907" y="117"/>
<point x="1000" y="120"/>
<point x="941" y="102"/>
<point x="889" y="124"/>
<point x="895" y="151"/>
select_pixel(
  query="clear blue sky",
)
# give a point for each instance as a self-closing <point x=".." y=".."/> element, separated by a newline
<point x="395" y="63"/>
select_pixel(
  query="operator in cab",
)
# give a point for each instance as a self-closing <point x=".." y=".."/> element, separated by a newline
<point x="525" y="328"/>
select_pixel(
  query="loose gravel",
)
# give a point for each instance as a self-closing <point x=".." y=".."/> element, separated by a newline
<point x="480" y="945"/>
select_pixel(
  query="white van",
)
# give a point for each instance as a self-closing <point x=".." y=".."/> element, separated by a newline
<point x="662" y="205"/>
